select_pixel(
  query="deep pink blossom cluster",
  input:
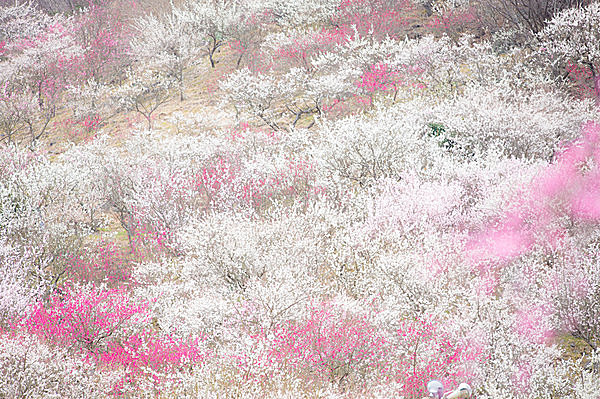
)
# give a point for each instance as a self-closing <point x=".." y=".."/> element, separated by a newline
<point x="112" y="330"/>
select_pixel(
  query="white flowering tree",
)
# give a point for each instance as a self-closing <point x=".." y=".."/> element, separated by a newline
<point x="573" y="36"/>
<point x="170" y="44"/>
<point x="39" y="58"/>
<point x="143" y="92"/>
<point x="33" y="369"/>
<point x="175" y="41"/>
<point x="214" y="23"/>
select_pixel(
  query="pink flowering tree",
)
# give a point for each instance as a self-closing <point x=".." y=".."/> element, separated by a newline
<point x="341" y="348"/>
<point x="102" y="31"/>
<point x="86" y="317"/>
<point x="345" y="349"/>
<point x="427" y="353"/>
<point x="111" y="329"/>
<point x="103" y="263"/>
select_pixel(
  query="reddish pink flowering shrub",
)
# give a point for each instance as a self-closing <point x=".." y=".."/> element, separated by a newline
<point x="86" y="317"/>
<point x="376" y="18"/>
<point x="379" y="78"/>
<point x="111" y="329"/>
<point x="301" y="49"/>
<point x="148" y="356"/>
<point x="429" y="353"/>
<point x="225" y="179"/>
<point x="82" y="129"/>
<point x="582" y="78"/>
<point x="49" y="78"/>
<point x="101" y="31"/>
<point x="334" y="346"/>
<point x="337" y="346"/>
<point x="58" y="53"/>
<point x="382" y="78"/>
<point x="211" y="179"/>
<point x="149" y="239"/>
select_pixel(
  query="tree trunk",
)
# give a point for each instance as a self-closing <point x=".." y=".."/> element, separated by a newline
<point x="597" y="88"/>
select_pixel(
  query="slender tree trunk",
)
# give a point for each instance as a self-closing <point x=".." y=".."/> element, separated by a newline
<point x="597" y="88"/>
<point x="181" y="86"/>
<point x="210" y="57"/>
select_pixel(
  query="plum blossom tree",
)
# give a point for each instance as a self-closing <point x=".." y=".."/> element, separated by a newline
<point x="303" y="14"/>
<point x="376" y="18"/>
<point x="170" y="44"/>
<point x="332" y="344"/>
<point x="143" y="92"/>
<point x="18" y="108"/>
<point x="215" y="21"/>
<point x="572" y="36"/>
<point x="47" y="58"/>
<point x="255" y="94"/>
<point x="104" y="33"/>
<point x="109" y="328"/>
<point x="40" y="58"/>
<point x="21" y="19"/>
<point x="33" y="368"/>
<point x="176" y="41"/>
<point x="246" y="36"/>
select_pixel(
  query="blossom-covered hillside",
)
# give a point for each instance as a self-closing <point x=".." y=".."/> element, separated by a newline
<point x="283" y="199"/>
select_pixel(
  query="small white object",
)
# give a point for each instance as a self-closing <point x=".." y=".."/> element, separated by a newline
<point x="463" y="391"/>
<point x="435" y="388"/>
